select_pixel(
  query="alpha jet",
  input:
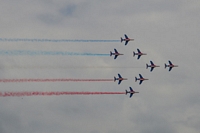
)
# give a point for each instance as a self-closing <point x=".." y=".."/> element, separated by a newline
<point x="116" y="53"/>
<point x="170" y="65"/>
<point x="152" y="65"/>
<point x="141" y="79"/>
<point x="119" y="79"/>
<point x="131" y="92"/>
<point x="126" y="39"/>
<point x="139" y="53"/>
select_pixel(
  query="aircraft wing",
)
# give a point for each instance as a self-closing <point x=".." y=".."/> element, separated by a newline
<point x="126" y="36"/>
<point x="170" y="62"/>
<point x="126" y="42"/>
<point x="170" y="68"/>
<point x="119" y="76"/>
<point x="138" y="51"/>
<point x="115" y="56"/>
<point x="131" y="94"/>
<point x="119" y="82"/>
<point x="138" y="56"/>
<point x="141" y="81"/>
<point x="140" y="76"/>
<point x="152" y="69"/>
<point x="115" y="50"/>
<point x="131" y="89"/>
<point x="151" y="62"/>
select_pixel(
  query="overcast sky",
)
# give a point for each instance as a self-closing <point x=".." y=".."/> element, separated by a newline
<point x="166" y="30"/>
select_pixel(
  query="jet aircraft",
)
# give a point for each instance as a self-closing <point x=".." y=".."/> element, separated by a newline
<point x="116" y="53"/>
<point x="119" y="78"/>
<point x="126" y="39"/>
<point x="139" y="53"/>
<point x="141" y="79"/>
<point x="131" y="92"/>
<point x="170" y="65"/>
<point x="152" y="65"/>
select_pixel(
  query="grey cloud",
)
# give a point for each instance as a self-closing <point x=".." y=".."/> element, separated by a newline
<point x="68" y="10"/>
<point x="9" y="122"/>
<point x="152" y="121"/>
<point x="168" y="102"/>
<point x="50" y="19"/>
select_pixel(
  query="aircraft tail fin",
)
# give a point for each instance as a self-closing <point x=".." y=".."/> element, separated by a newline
<point x="136" y="79"/>
<point x="147" y="66"/>
<point x="115" y="79"/>
<point x="121" y="39"/>
<point x="126" y="92"/>
<point x="165" y="65"/>
<point x="110" y="53"/>
<point x="133" y="53"/>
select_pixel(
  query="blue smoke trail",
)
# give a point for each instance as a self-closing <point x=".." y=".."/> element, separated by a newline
<point x="34" y="53"/>
<point x="51" y="40"/>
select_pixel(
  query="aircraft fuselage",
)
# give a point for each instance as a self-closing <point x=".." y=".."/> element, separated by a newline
<point x="132" y="92"/>
<point x="128" y="39"/>
<point x="121" y="79"/>
<point x="172" y="65"/>
<point x="117" y="54"/>
<point x="142" y="79"/>
<point x="153" y="66"/>
<point x="140" y="54"/>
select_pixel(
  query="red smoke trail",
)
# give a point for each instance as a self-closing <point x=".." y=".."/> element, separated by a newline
<point x="52" y="80"/>
<point x="36" y="93"/>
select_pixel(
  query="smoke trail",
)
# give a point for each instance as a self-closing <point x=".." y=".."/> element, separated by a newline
<point x="34" y="53"/>
<point x="68" y="67"/>
<point x="54" y="80"/>
<point x="51" y="40"/>
<point x="36" y="93"/>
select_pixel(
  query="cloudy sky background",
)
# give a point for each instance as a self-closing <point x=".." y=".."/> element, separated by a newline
<point x="165" y="30"/>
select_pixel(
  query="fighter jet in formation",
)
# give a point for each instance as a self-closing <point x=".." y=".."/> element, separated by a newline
<point x="119" y="79"/>
<point x="131" y="92"/>
<point x="152" y="65"/>
<point x="116" y="53"/>
<point x="126" y="39"/>
<point x="141" y="79"/>
<point x="170" y="65"/>
<point x="139" y="53"/>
